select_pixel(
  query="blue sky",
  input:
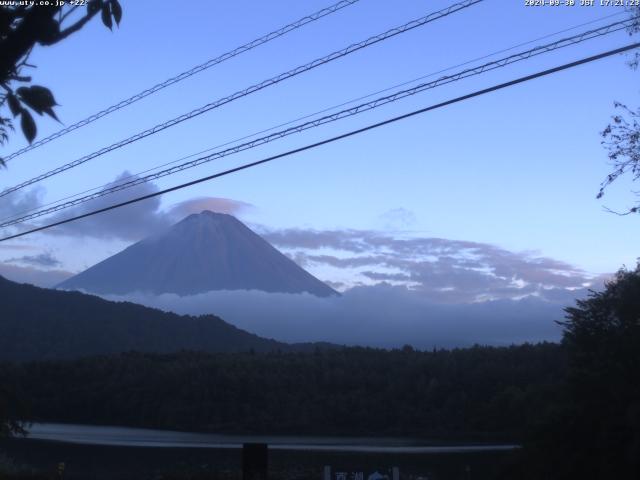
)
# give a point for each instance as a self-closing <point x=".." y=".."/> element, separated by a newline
<point x="518" y="169"/>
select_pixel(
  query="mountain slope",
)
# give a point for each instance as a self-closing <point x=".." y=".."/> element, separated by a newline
<point x="203" y="252"/>
<point x="41" y="324"/>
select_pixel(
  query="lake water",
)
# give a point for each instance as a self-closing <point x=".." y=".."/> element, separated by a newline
<point x="139" y="437"/>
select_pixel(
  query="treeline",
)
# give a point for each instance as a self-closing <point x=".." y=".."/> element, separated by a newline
<point x="479" y="392"/>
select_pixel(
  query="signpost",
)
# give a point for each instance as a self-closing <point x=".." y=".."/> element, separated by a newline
<point x="330" y="473"/>
<point x="61" y="467"/>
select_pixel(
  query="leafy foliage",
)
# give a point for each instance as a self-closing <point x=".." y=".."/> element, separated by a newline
<point x="622" y="139"/>
<point x="622" y="136"/>
<point x="594" y="432"/>
<point x="22" y="27"/>
<point x="11" y="411"/>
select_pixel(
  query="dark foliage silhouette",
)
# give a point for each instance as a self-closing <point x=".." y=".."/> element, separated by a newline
<point x="480" y="392"/>
<point x="622" y="136"/>
<point x="593" y="432"/>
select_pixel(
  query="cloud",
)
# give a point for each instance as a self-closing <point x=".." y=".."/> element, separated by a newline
<point x="347" y="240"/>
<point x="21" y="201"/>
<point x="440" y="269"/>
<point x="398" y="219"/>
<point x="380" y="315"/>
<point x="34" y="276"/>
<point x="18" y="246"/>
<point x="129" y="223"/>
<point x="45" y="259"/>
<point x="138" y="220"/>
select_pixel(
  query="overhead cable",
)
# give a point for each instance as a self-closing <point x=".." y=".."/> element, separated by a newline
<point x="311" y="115"/>
<point x="351" y="133"/>
<point x="503" y="62"/>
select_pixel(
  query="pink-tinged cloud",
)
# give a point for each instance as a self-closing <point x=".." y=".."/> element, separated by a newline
<point x="442" y="270"/>
<point x="213" y="204"/>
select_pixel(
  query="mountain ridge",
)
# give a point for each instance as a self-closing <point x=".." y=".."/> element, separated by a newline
<point x="45" y="324"/>
<point x="203" y="252"/>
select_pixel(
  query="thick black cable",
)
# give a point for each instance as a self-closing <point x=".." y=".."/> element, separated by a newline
<point x="351" y="133"/>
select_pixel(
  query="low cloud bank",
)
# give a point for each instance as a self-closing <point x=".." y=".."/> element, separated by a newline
<point x="381" y="316"/>
<point x="443" y="270"/>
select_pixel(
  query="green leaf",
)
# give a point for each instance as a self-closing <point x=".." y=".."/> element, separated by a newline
<point x="106" y="16"/>
<point x="40" y="99"/>
<point x="48" y="31"/>
<point x="116" y="10"/>
<point x="28" y="125"/>
<point x="14" y="104"/>
<point x="6" y="19"/>
<point x="52" y="114"/>
<point x="93" y="6"/>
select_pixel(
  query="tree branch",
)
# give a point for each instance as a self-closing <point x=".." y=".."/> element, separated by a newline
<point x="75" y="27"/>
<point x="621" y="214"/>
<point x="20" y="41"/>
<point x="69" y="12"/>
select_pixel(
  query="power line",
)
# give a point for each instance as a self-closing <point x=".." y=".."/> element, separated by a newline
<point x="252" y="89"/>
<point x="310" y="115"/>
<point x="189" y="73"/>
<point x="542" y="49"/>
<point x="351" y="133"/>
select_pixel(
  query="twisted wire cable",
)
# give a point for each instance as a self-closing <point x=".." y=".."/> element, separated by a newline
<point x="186" y="74"/>
<point x="252" y="89"/>
<point x="363" y="107"/>
<point x="327" y="141"/>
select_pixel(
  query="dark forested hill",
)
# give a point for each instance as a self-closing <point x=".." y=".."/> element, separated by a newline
<point x="41" y="324"/>
<point x="479" y="392"/>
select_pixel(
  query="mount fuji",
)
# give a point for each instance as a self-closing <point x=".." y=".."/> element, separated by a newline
<point x="203" y="252"/>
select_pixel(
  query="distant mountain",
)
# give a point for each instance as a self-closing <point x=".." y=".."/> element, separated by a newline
<point x="203" y="252"/>
<point x="42" y="324"/>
